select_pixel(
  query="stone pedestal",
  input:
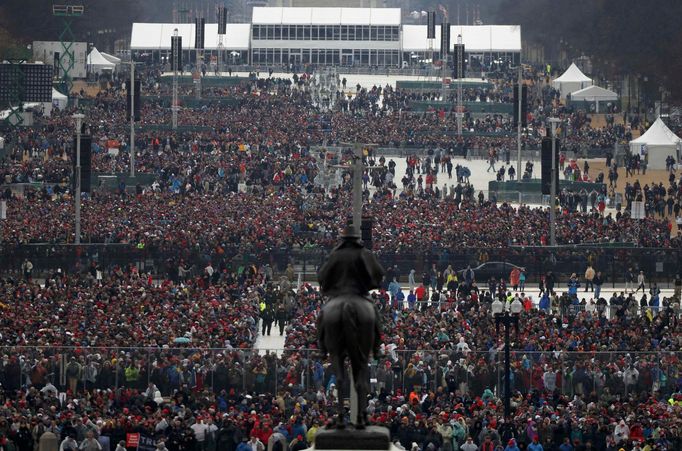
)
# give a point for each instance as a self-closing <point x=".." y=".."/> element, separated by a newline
<point x="370" y="438"/>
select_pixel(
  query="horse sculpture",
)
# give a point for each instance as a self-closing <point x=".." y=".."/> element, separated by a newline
<point x="348" y="325"/>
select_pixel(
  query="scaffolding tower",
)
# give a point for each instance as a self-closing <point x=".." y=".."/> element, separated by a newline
<point x="67" y="57"/>
<point x="15" y="101"/>
<point x="324" y="86"/>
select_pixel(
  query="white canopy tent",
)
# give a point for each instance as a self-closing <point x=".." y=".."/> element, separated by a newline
<point x="111" y="58"/>
<point x="570" y="81"/>
<point x="157" y="36"/>
<point x="98" y="63"/>
<point x="476" y="38"/>
<point x="658" y="143"/>
<point x="58" y="99"/>
<point x="594" y="94"/>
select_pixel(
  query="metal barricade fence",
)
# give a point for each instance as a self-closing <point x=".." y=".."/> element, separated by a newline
<point x="408" y="373"/>
<point x="660" y="265"/>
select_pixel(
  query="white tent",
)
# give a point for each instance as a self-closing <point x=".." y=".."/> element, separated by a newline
<point x="157" y="36"/>
<point x="570" y="81"/>
<point x="658" y="142"/>
<point x="98" y="63"/>
<point x="594" y="94"/>
<point x="111" y="58"/>
<point x="58" y="99"/>
<point x="476" y="38"/>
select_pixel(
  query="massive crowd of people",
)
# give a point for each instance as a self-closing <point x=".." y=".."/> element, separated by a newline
<point x="183" y="372"/>
<point x="197" y="171"/>
<point x="207" y="212"/>
<point x="266" y="112"/>
<point x="92" y="355"/>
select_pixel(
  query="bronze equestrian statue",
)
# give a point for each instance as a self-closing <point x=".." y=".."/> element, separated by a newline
<point x="348" y="325"/>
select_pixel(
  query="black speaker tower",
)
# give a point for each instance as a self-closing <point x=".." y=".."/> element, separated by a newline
<point x="222" y="20"/>
<point x="431" y="25"/>
<point x="366" y="231"/>
<point x="176" y="53"/>
<point x="445" y="41"/>
<point x="459" y="63"/>
<point x="199" y="28"/>
<point x="138" y="99"/>
<point x="524" y="106"/>
<point x="546" y="166"/>
<point x="86" y="162"/>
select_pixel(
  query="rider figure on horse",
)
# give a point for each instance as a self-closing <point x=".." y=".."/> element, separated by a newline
<point x="351" y="270"/>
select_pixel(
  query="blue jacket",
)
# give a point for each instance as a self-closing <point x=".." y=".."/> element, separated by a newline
<point x="393" y="288"/>
<point x="573" y="286"/>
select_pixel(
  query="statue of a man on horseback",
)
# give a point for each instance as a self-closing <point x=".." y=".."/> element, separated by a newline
<point x="348" y="325"/>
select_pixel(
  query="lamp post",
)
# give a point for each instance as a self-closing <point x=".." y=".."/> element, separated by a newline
<point x="131" y="88"/>
<point x="519" y="174"/>
<point x="507" y="317"/>
<point x="174" y="65"/>
<point x="77" y="195"/>
<point x="460" y="74"/>
<point x="356" y="168"/>
<point x="552" y="198"/>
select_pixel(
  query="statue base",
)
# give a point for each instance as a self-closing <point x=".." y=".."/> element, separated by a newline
<point x="370" y="438"/>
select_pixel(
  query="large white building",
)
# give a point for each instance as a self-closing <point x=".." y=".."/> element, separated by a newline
<point x="331" y="36"/>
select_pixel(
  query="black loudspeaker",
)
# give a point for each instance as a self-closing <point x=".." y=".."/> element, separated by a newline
<point x="546" y="166"/>
<point x="138" y="99"/>
<point x="55" y="64"/>
<point x="199" y="28"/>
<point x="366" y="231"/>
<point x="222" y="20"/>
<point x="26" y="82"/>
<point x="431" y="25"/>
<point x="86" y="162"/>
<point x="176" y="53"/>
<point x="524" y="105"/>
<point x="459" y="61"/>
<point x="444" y="41"/>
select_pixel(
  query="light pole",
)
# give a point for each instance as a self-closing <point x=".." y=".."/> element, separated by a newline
<point x="519" y="174"/>
<point x="503" y="316"/>
<point x="552" y="193"/>
<point x="132" y="115"/>
<point x="357" y="169"/>
<point x="174" y="65"/>
<point x="460" y="74"/>
<point x="79" y="123"/>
